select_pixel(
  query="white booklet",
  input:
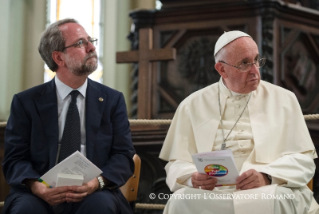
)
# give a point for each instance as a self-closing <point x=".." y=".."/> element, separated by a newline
<point x="218" y="164"/>
<point x="76" y="164"/>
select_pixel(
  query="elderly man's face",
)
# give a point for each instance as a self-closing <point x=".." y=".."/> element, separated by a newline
<point x="242" y="50"/>
<point x="79" y="61"/>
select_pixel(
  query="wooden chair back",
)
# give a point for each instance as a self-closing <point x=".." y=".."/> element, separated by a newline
<point x="130" y="188"/>
<point x="310" y="184"/>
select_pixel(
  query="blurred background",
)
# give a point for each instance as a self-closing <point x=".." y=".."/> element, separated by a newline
<point x="23" y="21"/>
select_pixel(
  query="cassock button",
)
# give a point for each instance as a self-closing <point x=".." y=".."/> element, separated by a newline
<point x="101" y="99"/>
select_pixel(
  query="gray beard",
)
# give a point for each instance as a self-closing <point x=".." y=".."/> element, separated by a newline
<point x="82" y="69"/>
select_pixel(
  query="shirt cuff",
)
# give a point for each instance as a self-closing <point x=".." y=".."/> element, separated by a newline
<point x="188" y="182"/>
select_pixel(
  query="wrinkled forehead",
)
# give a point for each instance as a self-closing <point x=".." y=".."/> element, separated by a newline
<point x="240" y="47"/>
<point x="241" y="43"/>
<point x="73" y="31"/>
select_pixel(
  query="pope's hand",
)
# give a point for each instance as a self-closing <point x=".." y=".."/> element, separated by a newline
<point x="251" y="179"/>
<point x="203" y="181"/>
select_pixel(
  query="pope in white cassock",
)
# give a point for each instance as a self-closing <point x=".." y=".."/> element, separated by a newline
<point x="262" y="124"/>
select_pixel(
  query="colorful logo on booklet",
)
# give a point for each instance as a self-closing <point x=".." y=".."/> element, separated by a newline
<point x="216" y="170"/>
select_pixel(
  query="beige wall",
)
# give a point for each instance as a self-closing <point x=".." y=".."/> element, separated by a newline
<point x="20" y="65"/>
<point x="23" y="21"/>
<point x="4" y="24"/>
<point x="143" y="4"/>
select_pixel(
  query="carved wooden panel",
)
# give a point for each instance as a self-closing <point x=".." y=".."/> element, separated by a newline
<point x="298" y="56"/>
<point x="193" y="68"/>
<point x="193" y="28"/>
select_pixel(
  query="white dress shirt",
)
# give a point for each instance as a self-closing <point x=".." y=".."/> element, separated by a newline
<point x="64" y="98"/>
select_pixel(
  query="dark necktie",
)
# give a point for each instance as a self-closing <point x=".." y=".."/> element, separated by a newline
<point x="71" y="138"/>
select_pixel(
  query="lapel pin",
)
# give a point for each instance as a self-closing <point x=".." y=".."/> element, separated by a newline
<point x="101" y="99"/>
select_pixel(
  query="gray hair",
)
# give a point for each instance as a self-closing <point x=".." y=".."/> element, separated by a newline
<point x="53" y="40"/>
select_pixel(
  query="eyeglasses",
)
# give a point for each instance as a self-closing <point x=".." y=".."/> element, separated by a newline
<point x="245" y="66"/>
<point x="82" y="43"/>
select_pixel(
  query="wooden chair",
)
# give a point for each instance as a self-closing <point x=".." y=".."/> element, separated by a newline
<point x="130" y="188"/>
<point x="310" y="184"/>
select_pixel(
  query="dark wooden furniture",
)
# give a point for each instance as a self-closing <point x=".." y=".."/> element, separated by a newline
<point x="286" y="33"/>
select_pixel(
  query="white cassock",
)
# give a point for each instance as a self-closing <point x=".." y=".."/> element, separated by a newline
<point x="270" y="137"/>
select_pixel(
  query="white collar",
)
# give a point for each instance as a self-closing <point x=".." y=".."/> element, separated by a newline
<point x="64" y="90"/>
<point x="232" y="93"/>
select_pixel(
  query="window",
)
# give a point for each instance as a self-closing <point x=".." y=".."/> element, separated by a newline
<point x="158" y="5"/>
<point x="87" y="13"/>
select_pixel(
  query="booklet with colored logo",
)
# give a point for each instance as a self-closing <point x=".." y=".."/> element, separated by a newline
<point x="218" y="164"/>
<point x="72" y="171"/>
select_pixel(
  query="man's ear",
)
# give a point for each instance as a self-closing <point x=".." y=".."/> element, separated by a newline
<point x="221" y="69"/>
<point x="58" y="58"/>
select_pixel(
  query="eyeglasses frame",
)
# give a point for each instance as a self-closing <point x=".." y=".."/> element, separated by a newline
<point x="92" y="40"/>
<point x="251" y="64"/>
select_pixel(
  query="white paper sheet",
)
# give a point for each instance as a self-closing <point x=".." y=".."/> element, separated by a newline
<point x="76" y="164"/>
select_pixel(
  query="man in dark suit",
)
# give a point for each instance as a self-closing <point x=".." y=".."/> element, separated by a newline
<point x="37" y="128"/>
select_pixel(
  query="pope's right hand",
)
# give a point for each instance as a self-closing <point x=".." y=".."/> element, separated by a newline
<point x="203" y="181"/>
<point x="52" y="196"/>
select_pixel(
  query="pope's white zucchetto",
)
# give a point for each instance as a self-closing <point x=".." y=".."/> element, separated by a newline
<point x="227" y="38"/>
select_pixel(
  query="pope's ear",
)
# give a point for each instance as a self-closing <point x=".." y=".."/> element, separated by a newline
<point x="221" y="69"/>
<point x="58" y="58"/>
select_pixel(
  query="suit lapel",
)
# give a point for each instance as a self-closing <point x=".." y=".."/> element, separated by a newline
<point x="93" y="107"/>
<point x="46" y="105"/>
